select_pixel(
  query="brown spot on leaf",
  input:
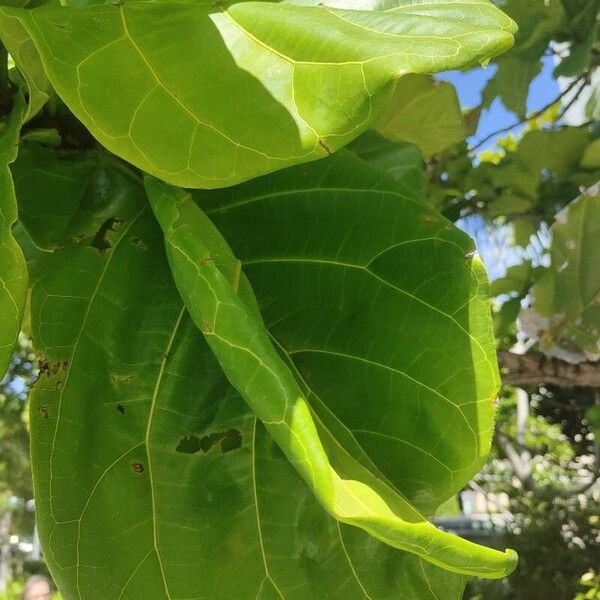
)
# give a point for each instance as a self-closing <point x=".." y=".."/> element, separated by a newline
<point x="204" y="261"/>
<point x="138" y="468"/>
<point x="118" y="378"/>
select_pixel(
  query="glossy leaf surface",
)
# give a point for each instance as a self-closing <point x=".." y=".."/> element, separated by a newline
<point x="311" y="77"/>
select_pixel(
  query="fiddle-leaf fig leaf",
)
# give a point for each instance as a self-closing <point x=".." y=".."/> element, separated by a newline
<point x="251" y="87"/>
<point x="13" y="270"/>
<point x="18" y="42"/>
<point x="153" y="477"/>
<point x="269" y="375"/>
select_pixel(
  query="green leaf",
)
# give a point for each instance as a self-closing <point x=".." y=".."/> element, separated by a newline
<point x="153" y="477"/>
<point x="23" y="51"/>
<point x="516" y="279"/>
<point x="424" y="112"/>
<point x="511" y="83"/>
<point x="591" y="156"/>
<point x="568" y="296"/>
<point x="311" y="78"/>
<point x="557" y="150"/>
<point x="54" y="199"/>
<point x="539" y="22"/>
<point x="13" y="271"/>
<point x="400" y="160"/>
<point x="592" y="414"/>
<point x="325" y="366"/>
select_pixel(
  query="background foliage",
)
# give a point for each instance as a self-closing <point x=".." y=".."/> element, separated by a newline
<point x="528" y="194"/>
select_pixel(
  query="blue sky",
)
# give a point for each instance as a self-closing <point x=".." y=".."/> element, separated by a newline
<point x="494" y="249"/>
<point x="470" y="84"/>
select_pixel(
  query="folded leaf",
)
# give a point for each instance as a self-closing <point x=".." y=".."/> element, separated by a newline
<point x="222" y="305"/>
<point x="206" y="96"/>
<point x="13" y="271"/>
<point x="355" y="278"/>
<point x="153" y="477"/>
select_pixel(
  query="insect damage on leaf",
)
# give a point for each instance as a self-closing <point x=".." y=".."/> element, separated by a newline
<point x="227" y="441"/>
<point x="102" y="241"/>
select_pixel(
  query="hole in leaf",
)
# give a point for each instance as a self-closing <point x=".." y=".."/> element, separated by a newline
<point x="189" y="445"/>
<point x="231" y="441"/>
<point x="227" y="440"/>
<point x="101" y="240"/>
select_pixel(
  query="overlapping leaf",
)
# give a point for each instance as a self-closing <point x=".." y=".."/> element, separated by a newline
<point x="425" y="112"/>
<point x="153" y="478"/>
<point x="345" y="318"/>
<point x="401" y="160"/>
<point x="250" y="88"/>
<point x="13" y="272"/>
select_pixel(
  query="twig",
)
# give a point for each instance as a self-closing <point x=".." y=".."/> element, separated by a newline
<point x="583" y="80"/>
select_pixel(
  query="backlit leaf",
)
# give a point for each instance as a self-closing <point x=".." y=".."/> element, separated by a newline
<point x="250" y="88"/>
<point x="13" y="271"/>
<point x="328" y="361"/>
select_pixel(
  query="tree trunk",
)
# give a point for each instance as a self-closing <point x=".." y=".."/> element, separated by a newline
<point x="5" y="574"/>
<point x="535" y="369"/>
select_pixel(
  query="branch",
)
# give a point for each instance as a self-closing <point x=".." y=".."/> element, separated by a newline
<point x="535" y="368"/>
<point x="521" y="465"/>
<point x="583" y="80"/>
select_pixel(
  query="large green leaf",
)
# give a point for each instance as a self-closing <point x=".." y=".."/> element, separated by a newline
<point x="566" y="299"/>
<point x="206" y="96"/>
<point x="356" y="334"/>
<point x="153" y="478"/>
<point x="13" y="271"/>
